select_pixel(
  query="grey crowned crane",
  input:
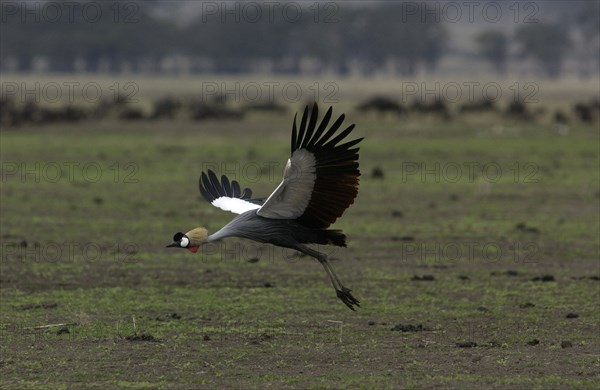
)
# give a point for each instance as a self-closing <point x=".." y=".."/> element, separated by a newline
<point x="320" y="181"/>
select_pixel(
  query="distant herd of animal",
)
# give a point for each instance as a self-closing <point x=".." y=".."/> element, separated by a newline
<point x="13" y="113"/>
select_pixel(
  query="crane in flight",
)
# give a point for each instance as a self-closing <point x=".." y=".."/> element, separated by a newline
<point x="320" y="181"/>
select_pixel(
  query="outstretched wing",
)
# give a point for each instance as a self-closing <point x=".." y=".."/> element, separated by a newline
<point x="227" y="195"/>
<point x="320" y="180"/>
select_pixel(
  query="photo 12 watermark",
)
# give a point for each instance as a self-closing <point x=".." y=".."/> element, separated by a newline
<point x="70" y="92"/>
<point x="68" y="252"/>
<point x="132" y="327"/>
<point x="247" y="172"/>
<point x="469" y="91"/>
<point x="270" y="12"/>
<point x="469" y="252"/>
<point x="69" y="171"/>
<point x="470" y="11"/>
<point x="70" y="12"/>
<point x="269" y="91"/>
<point x="471" y="333"/>
<point x="527" y="172"/>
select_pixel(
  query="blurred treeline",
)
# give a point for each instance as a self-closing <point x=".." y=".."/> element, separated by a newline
<point x="229" y="37"/>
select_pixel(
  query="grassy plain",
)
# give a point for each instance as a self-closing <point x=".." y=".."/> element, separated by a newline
<point x="481" y="204"/>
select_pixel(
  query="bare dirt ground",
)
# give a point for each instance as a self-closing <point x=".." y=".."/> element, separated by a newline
<point x="478" y="282"/>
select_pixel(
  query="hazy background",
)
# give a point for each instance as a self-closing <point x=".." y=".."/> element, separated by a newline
<point x="545" y="38"/>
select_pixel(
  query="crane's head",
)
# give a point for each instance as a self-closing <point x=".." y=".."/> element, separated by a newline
<point x="190" y="240"/>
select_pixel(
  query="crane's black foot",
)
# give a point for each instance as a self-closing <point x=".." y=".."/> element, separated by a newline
<point x="346" y="297"/>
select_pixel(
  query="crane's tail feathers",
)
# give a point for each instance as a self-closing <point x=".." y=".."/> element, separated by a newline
<point x="335" y="237"/>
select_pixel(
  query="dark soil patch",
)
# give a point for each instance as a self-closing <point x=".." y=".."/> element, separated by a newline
<point x="509" y="272"/>
<point x="377" y="173"/>
<point x="410" y="328"/>
<point x="543" y="278"/>
<point x="423" y="278"/>
<point x="403" y="238"/>
<point x="142" y="337"/>
<point x="172" y="316"/>
<point x="566" y="344"/>
<point x="261" y="338"/>
<point x="31" y="306"/>
<point x="62" y="330"/>
<point x="528" y="229"/>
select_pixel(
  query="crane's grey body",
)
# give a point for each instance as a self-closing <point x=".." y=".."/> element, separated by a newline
<point x="281" y="232"/>
<point x="320" y="181"/>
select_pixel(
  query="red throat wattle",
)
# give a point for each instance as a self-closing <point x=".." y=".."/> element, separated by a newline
<point x="193" y="249"/>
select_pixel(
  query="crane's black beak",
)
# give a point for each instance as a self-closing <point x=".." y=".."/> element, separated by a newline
<point x="173" y="245"/>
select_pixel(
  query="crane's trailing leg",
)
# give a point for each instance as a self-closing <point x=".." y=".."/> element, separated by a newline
<point x="342" y="292"/>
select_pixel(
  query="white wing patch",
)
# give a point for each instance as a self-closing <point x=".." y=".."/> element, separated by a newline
<point x="235" y="205"/>
<point x="291" y="197"/>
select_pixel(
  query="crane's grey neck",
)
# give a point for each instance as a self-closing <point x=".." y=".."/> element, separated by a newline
<point x="246" y="225"/>
<point x="218" y="235"/>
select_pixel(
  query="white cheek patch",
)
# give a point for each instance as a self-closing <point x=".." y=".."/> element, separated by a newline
<point x="184" y="242"/>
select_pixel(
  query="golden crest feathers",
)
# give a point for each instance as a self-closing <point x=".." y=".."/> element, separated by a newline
<point x="197" y="236"/>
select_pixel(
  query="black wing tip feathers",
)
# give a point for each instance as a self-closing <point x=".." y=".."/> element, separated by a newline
<point x="211" y="188"/>
<point x="311" y="137"/>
